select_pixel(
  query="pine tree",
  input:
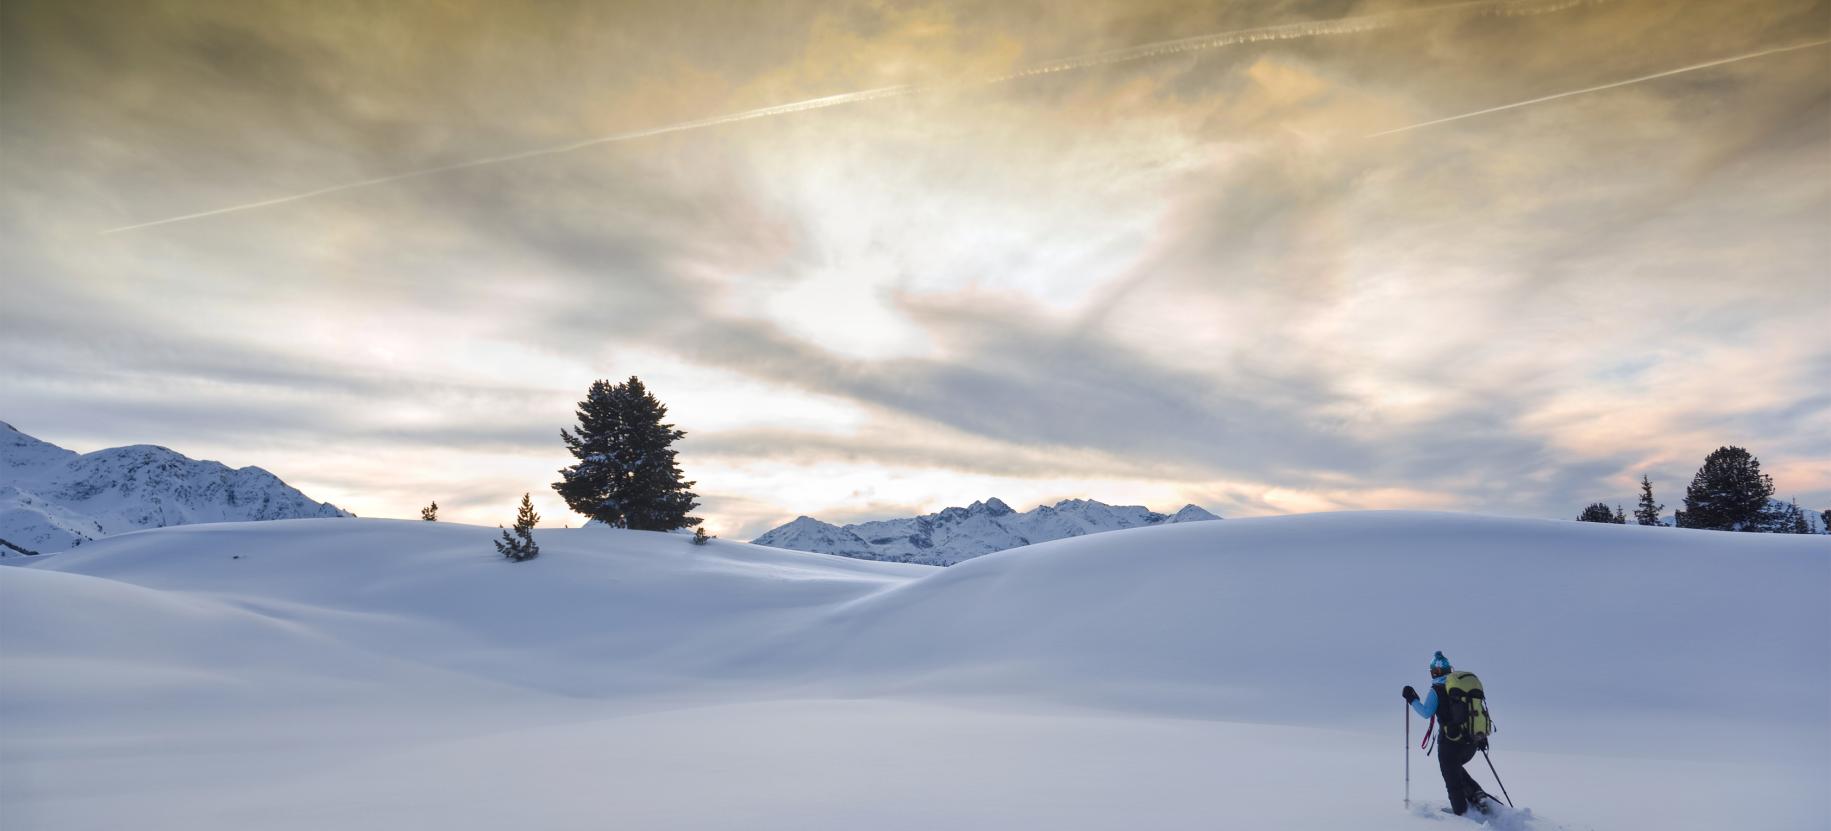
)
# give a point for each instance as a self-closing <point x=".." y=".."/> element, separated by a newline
<point x="1824" y="520"/>
<point x="1621" y="518"/>
<point x="1792" y="520"/>
<point x="1729" y="493"/>
<point x="1597" y="512"/>
<point x="626" y="476"/>
<point x="700" y="537"/>
<point x="1648" y="512"/>
<point x="430" y="513"/>
<point x="519" y="545"/>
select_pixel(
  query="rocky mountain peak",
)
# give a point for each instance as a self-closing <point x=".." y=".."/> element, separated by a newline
<point x="954" y="534"/>
<point x="52" y="498"/>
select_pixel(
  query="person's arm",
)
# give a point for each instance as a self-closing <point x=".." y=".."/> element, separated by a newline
<point x="1426" y="706"/>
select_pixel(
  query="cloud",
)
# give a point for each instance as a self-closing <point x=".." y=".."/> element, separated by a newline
<point x="1602" y="87"/>
<point x="1179" y="279"/>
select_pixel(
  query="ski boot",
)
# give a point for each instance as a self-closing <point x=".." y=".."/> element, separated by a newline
<point x="1484" y="802"/>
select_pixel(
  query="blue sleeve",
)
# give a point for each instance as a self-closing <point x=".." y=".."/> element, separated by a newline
<point x="1426" y="706"/>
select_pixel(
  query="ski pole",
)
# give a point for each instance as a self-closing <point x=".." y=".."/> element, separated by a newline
<point x="1408" y="756"/>
<point x="1503" y="785"/>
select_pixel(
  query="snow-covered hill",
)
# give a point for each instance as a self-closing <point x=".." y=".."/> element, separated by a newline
<point x="1815" y="521"/>
<point x="956" y="534"/>
<point x="362" y="674"/>
<point x="52" y="499"/>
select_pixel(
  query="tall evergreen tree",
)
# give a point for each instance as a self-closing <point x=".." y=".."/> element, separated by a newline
<point x="1597" y="512"/>
<point x="626" y="475"/>
<point x="518" y="545"/>
<point x="1729" y="493"/>
<point x="1648" y="512"/>
<point x="1824" y="520"/>
<point x="430" y="513"/>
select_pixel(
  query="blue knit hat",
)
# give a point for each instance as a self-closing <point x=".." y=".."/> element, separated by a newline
<point x="1439" y="662"/>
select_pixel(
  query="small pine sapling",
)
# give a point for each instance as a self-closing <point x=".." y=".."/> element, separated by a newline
<point x="430" y="513"/>
<point x="1648" y="512"/>
<point x="518" y="544"/>
<point x="700" y="537"/>
<point x="1795" y="520"/>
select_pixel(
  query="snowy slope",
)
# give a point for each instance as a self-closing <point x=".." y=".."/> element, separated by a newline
<point x="806" y="533"/>
<point x="52" y="498"/>
<point x="1241" y="674"/>
<point x="957" y="534"/>
<point x="1815" y="521"/>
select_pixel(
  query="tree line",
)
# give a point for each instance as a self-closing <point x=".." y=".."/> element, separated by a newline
<point x="625" y="475"/>
<point x="1728" y="493"/>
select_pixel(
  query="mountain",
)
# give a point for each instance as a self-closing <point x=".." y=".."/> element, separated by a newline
<point x="1815" y="520"/>
<point x="52" y="499"/>
<point x="957" y="534"/>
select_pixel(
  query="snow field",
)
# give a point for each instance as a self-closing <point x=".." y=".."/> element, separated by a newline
<point x="374" y="673"/>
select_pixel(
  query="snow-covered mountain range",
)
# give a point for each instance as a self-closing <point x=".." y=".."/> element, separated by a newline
<point x="956" y="534"/>
<point x="52" y="499"/>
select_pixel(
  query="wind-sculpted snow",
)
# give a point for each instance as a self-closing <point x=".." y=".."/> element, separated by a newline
<point x="1165" y="617"/>
<point x="1239" y="674"/>
<point x="956" y="534"/>
<point x="52" y="499"/>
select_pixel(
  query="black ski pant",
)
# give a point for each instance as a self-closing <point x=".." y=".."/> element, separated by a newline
<point x="1463" y="789"/>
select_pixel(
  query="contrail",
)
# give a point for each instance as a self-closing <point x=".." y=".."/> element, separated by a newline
<point x="1540" y="100"/>
<point x="761" y="112"/>
<point x="1284" y="31"/>
<point x="1288" y="31"/>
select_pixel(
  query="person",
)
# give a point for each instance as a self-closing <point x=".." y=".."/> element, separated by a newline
<point x="1453" y="751"/>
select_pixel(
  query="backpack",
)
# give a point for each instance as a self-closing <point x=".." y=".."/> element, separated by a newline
<point x="1464" y="714"/>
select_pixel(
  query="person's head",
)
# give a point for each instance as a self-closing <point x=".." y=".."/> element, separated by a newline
<point x="1439" y="667"/>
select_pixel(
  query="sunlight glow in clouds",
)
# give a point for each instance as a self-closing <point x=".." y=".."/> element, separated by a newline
<point x="1158" y="273"/>
<point x="1258" y="34"/>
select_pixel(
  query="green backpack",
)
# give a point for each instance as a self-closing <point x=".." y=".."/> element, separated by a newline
<point x="1464" y="714"/>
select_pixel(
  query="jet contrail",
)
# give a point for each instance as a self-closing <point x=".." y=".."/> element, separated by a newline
<point x="1288" y="31"/>
<point x="1540" y="100"/>
<point x="1284" y="31"/>
<point x="761" y="112"/>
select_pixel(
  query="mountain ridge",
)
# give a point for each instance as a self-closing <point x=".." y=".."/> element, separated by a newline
<point x="954" y="534"/>
<point x="53" y="498"/>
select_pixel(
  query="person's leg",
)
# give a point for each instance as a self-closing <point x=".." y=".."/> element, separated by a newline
<point x="1471" y="789"/>
<point x="1450" y="758"/>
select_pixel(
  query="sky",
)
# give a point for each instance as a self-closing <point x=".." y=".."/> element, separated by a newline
<point x="1241" y="254"/>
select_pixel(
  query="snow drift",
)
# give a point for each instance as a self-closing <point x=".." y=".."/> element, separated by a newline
<point x="366" y="673"/>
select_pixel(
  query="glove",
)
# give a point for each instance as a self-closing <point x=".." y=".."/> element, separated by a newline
<point x="1410" y="694"/>
<point x="1481" y="742"/>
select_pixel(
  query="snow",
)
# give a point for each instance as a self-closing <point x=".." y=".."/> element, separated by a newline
<point x="955" y="534"/>
<point x="1242" y="674"/>
<point x="52" y="498"/>
<point x="1815" y="521"/>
